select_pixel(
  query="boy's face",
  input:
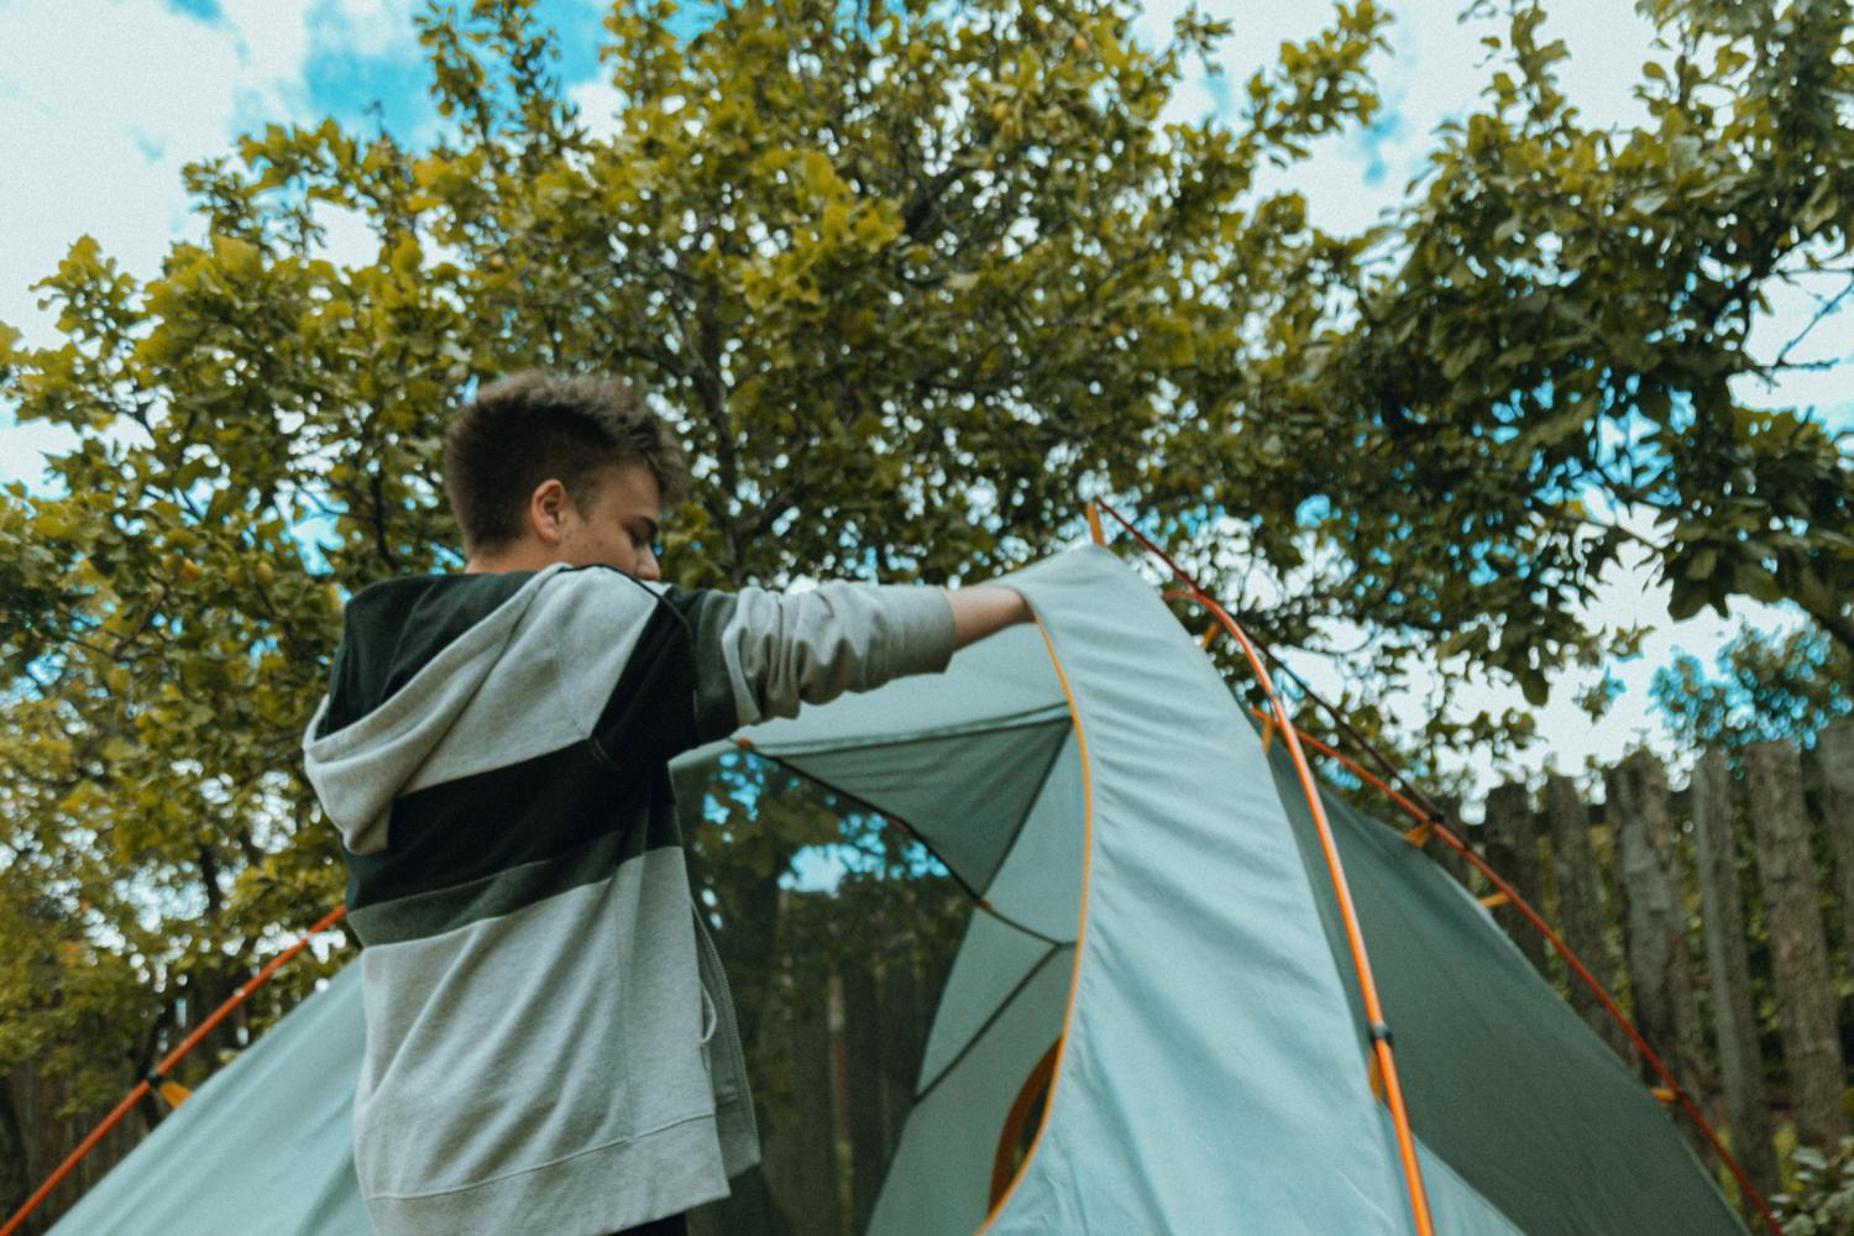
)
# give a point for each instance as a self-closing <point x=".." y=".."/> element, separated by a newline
<point x="619" y="530"/>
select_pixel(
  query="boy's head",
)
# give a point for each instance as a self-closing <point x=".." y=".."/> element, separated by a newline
<point x="543" y="468"/>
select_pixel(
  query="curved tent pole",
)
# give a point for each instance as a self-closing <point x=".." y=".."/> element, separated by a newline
<point x="1376" y="1029"/>
<point x="1034" y="1092"/>
<point x="1414" y="803"/>
<point x="156" y="1074"/>
<point x="1437" y="828"/>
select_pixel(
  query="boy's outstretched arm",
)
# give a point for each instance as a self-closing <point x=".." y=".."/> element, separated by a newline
<point x="762" y="654"/>
<point x="985" y="610"/>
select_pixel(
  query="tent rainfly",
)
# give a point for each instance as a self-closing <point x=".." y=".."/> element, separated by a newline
<point x="1153" y="1023"/>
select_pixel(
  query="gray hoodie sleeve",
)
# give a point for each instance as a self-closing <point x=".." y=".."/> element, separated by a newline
<point x="761" y="654"/>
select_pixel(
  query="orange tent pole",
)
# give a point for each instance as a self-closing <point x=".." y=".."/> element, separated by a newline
<point x="1376" y="1028"/>
<point x="160" y="1070"/>
<point x="1429" y="817"/>
<point x="1669" y="1085"/>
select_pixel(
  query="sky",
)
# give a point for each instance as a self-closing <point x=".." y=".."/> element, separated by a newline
<point x="103" y="101"/>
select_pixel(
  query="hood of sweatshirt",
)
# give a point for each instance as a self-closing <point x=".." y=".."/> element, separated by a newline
<point x="412" y="655"/>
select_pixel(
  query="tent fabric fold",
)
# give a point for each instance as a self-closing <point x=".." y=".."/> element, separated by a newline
<point x="1154" y="909"/>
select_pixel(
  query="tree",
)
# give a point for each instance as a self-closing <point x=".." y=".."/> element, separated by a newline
<point x="1765" y="690"/>
<point x="912" y="280"/>
<point x="1559" y="350"/>
<point x="908" y="283"/>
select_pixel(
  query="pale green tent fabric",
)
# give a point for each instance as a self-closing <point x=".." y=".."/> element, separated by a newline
<point x="1213" y="1071"/>
<point x="261" y="1147"/>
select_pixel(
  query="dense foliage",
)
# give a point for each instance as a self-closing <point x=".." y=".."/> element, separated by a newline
<point x="912" y="280"/>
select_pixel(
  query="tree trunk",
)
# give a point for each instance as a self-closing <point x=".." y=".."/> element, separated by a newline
<point x="1580" y="906"/>
<point x="1660" y="967"/>
<point x="1741" y="1071"/>
<point x="1798" y="949"/>
<point x="1512" y="846"/>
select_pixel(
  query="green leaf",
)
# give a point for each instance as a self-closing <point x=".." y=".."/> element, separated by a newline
<point x="241" y="257"/>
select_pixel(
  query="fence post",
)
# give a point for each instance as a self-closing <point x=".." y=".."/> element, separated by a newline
<point x="1660" y="967"/>
<point x="1798" y="949"/>
<point x="1741" y="1072"/>
<point x="1580" y="905"/>
<point x="1512" y="849"/>
<point x="1450" y="807"/>
<point x="1834" y="753"/>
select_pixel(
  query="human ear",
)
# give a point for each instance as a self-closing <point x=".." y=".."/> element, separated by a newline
<point x="547" y="511"/>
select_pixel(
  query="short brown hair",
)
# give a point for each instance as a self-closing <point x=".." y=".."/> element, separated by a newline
<point x="532" y="426"/>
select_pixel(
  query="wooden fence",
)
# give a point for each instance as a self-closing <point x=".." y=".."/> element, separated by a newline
<point x="1721" y="915"/>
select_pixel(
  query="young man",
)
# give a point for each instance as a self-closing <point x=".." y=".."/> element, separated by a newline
<point x="550" y="1043"/>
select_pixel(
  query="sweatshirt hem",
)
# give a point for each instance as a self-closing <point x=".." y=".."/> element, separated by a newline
<point x="591" y="1193"/>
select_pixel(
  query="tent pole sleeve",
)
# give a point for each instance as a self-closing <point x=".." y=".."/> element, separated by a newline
<point x="1669" y="1083"/>
<point x="1380" y="1035"/>
<point x="1342" y="893"/>
<point x="1428" y="813"/>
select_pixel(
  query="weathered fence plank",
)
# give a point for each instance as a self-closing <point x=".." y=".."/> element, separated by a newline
<point x="1660" y="966"/>
<point x="799" y="1153"/>
<point x="902" y="1035"/>
<point x="44" y="1137"/>
<point x="1834" y="755"/>
<point x="1512" y="848"/>
<point x="1741" y="1072"/>
<point x="1580" y="905"/>
<point x="1798" y="948"/>
<point x="862" y="1044"/>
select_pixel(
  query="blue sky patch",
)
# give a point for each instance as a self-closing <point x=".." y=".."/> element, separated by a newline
<point x="365" y="93"/>
<point x="206" y="10"/>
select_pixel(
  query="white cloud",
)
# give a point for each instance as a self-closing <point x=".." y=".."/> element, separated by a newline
<point x="598" y="102"/>
<point x="102" y="102"/>
<point x="100" y="105"/>
<point x="372" y="28"/>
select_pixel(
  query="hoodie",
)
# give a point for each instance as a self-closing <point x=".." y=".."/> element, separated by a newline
<point x="550" y="1042"/>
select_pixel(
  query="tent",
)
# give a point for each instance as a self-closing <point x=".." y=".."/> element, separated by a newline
<point x="1152" y="1023"/>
